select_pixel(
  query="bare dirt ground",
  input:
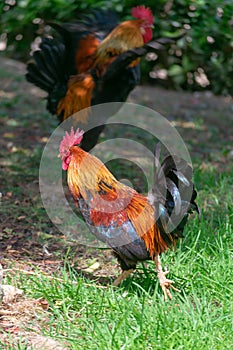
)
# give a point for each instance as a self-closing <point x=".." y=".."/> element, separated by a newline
<point x="204" y="121"/>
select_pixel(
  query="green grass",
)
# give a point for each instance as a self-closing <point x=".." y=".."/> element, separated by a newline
<point x="135" y="315"/>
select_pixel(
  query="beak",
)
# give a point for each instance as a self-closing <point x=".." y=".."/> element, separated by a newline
<point x="59" y="155"/>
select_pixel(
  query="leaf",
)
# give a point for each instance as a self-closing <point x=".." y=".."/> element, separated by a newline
<point x="187" y="64"/>
<point x="44" y="304"/>
<point x="92" y="268"/>
<point x="174" y="70"/>
<point x="21" y="217"/>
<point x="9" y="293"/>
<point x="39" y="342"/>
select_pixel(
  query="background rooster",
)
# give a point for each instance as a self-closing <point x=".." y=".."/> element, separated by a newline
<point x="136" y="227"/>
<point x="96" y="62"/>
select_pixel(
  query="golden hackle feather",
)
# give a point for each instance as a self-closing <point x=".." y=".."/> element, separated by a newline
<point x="85" y="172"/>
<point x="125" y="36"/>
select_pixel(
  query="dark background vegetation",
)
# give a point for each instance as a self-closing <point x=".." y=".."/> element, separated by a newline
<point x="201" y="56"/>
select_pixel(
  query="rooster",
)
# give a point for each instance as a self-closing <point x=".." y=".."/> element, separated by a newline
<point x="96" y="62"/>
<point x="136" y="227"/>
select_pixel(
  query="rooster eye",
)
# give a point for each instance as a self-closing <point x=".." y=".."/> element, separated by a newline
<point x="65" y="153"/>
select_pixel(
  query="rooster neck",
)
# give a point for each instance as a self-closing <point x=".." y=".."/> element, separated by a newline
<point x="73" y="178"/>
<point x="125" y="36"/>
<point x="85" y="173"/>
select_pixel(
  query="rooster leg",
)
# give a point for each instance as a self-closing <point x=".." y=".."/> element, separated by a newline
<point x="164" y="282"/>
<point x="122" y="277"/>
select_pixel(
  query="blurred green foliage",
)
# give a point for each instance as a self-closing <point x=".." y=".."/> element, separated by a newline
<point x="200" y="57"/>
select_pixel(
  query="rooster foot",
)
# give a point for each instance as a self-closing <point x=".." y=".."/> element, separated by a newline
<point x="122" y="277"/>
<point x="165" y="283"/>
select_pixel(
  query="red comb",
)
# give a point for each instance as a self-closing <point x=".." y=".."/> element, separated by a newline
<point x="142" y="12"/>
<point x="72" y="139"/>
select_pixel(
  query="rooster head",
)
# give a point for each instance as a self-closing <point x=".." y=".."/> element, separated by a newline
<point x="69" y="140"/>
<point x="145" y="14"/>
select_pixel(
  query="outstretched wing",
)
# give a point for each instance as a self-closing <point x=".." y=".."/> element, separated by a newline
<point x="69" y="53"/>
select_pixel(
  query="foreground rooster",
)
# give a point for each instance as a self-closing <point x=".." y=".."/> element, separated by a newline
<point x="135" y="227"/>
<point x="96" y="62"/>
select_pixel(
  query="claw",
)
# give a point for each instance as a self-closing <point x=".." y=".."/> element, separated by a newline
<point x="165" y="284"/>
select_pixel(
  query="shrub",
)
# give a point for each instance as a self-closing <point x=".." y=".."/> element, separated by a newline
<point x="200" y="57"/>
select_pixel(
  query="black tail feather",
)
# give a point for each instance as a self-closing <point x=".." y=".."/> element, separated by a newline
<point x="47" y="71"/>
<point x="45" y="65"/>
<point x="173" y="195"/>
<point x="34" y="76"/>
<point x="43" y="70"/>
